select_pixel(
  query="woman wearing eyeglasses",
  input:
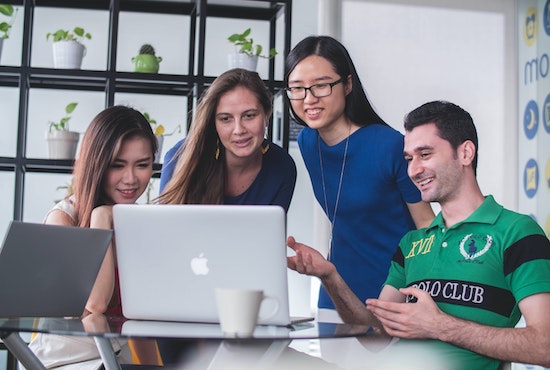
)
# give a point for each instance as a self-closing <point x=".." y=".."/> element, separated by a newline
<point x="356" y="166"/>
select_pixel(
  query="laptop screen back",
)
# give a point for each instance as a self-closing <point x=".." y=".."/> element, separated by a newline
<point x="172" y="257"/>
<point x="48" y="270"/>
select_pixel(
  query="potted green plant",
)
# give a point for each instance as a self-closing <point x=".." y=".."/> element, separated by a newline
<point x="62" y="142"/>
<point x="146" y="61"/>
<point x="160" y="133"/>
<point x="67" y="188"/>
<point x="5" y="27"/>
<point x="68" y="47"/>
<point x="246" y="51"/>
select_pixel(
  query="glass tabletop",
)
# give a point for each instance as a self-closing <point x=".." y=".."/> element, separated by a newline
<point x="117" y="326"/>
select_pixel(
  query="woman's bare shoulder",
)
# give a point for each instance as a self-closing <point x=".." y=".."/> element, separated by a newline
<point x="59" y="217"/>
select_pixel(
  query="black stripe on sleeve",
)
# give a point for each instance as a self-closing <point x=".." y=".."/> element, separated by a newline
<point x="399" y="258"/>
<point x="532" y="247"/>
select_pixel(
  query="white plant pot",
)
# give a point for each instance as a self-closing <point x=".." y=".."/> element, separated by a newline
<point x="68" y="54"/>
<point x="1" y="44"/>
<point x="241" y="60"/>
<point x="160" y="141"/>
<point x="62" y="144"/>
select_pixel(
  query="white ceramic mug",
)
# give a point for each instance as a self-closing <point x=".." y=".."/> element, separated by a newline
<point x="238" y="310"/>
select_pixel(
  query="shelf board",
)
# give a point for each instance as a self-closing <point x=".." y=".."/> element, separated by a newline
<point x="93" y="80"/>
<point x="244" y="12"/>
<point x="13" y="2"/>
<point x="73" y="80"/>
<point x="48" y="165"/>
<point x="51" y="165"/>
<point x="75" y="4"/>
<point x="158" y="6"/>
<point x="243" y="9"/>
<point x="8" y="79"/>
<point x="170" y="84"/>
<point x="7" y="164"/>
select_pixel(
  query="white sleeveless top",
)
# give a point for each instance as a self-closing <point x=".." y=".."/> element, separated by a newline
<point x="66" y="205"/>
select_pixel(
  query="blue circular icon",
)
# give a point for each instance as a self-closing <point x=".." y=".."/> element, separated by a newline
<point x="546" y="113"/>
<point x="546" y="17"/>
<point x="531" y="178"/>
<point x="531" y="119"/>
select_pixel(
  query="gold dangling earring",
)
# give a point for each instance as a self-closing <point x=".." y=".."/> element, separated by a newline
<point x="217" y="154"/>
<point x="264" y="148"/>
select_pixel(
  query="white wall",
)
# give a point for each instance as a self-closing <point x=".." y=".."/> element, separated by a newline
<point x="301" y="214"/>
<point x="411" y="52"/>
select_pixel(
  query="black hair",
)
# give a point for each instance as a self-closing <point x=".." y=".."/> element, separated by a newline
<point x="358" y="108"/>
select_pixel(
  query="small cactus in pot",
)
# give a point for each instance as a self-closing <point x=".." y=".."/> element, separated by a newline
<point x="147" y="49"/>
<point x="146" y="61"/>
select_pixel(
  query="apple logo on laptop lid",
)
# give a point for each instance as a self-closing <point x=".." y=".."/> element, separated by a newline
<point x="199" y="265"/>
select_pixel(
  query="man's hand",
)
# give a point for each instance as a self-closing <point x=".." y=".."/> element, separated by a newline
<point x="308" y="261"/>
<point x="408" y="320"/>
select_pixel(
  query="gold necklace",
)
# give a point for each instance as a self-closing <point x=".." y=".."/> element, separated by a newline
<point x="339" y="186"/>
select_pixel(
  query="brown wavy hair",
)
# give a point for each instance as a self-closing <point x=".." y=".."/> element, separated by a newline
<point x="199" y="178"/>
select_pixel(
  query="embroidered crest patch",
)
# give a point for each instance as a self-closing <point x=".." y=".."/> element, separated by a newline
<point x="471" y="247"/>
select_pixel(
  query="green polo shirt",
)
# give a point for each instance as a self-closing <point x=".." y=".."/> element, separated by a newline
<point x="478" y="269"/>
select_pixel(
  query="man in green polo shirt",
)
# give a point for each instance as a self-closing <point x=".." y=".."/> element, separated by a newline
<point x="462" y="283"/>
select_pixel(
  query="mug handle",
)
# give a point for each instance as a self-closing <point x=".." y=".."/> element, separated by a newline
<point x="272" y="312"/>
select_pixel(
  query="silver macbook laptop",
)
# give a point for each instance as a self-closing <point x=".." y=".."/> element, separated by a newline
<point x="172" y="257"/>
<point x="48" y="270"/>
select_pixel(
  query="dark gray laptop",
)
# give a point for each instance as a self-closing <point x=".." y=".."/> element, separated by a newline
<point x="48" y="270"/>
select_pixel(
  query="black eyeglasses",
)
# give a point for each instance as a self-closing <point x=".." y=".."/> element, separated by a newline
<point x="317" y="90"/>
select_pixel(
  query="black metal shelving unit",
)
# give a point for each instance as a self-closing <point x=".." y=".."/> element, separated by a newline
<point x="111" y="81"/>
